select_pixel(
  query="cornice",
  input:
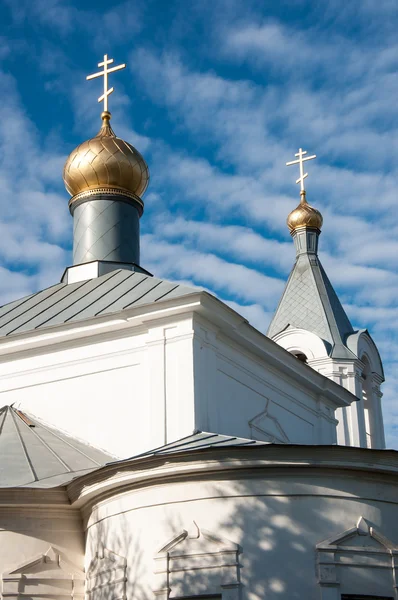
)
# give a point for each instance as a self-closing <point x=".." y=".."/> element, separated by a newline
<point x="230" y="463"/>
<point x="227" y="321"/>
<point x="60" y="337"/>
<point x="34" y="497"/>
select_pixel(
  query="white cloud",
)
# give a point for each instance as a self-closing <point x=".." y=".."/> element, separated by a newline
<point x="34" y="216"/>
<point x="115" y="26"/>
<point x="229" y="280"/>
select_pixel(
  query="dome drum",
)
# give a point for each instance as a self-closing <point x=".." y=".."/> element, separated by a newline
<point x="106" y="229"/>
<point x="116" y="193"/>
<point x="106" y="178"/>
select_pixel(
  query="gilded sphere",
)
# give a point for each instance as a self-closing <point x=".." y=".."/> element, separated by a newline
<point x="304" y="216"/>
<point x="105" y="161"/>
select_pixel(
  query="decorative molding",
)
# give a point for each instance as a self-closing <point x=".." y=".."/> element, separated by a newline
<point x="268" y="427"/>
<point x="295" y="339"/>
<point x="197" y="562"/>
<point x="106" y="576"/>
<point x="351" y="546"/>
<point x="122" y="194"/>
<point x="48" y="575"/>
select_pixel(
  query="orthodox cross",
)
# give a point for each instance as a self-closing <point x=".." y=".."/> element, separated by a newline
<point x="105" y="73"/>
<point x="300" y="161"/>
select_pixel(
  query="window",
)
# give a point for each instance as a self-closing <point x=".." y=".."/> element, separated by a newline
<point x="300" y="356"/>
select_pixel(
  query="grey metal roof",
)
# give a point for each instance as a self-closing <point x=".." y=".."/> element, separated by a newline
<point x="65" y="303"/>
<point x="35" y="455"/>
<point x="309" y="302"/>
<point x="199" y="440"/>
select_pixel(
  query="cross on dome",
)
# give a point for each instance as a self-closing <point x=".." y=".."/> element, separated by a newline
<point x="107" y="92"/>
<point x="300" y="161"/>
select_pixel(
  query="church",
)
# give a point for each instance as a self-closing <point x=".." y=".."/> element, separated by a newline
<point x="155" y="446"/>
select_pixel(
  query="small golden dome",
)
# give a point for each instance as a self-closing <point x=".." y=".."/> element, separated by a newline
<point x="106" y="161"/>
<point x="304" y="216"/>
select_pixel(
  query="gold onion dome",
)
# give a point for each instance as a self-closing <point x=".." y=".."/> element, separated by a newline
<point x="106" y="162"/>
<point x="304" y="216"/>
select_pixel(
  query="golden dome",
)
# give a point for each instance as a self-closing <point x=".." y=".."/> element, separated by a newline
<point x="107" y="162"/>
<point x="304" y="216"/>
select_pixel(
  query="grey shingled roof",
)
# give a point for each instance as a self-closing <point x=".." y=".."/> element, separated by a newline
<point x="65" y="303"/>
<point x="309" y="302"/>
<point x="36" y="455"/>
<point x="199" y="440"/>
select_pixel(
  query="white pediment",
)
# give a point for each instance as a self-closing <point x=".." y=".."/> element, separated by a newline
<point x="362" y="537"/>
<point x="47" y="562"/>
<point x="197" y="540"/>
<point x="48" y="574"/>
<point x="197" y="562"/>
<point x="265" y="427"/>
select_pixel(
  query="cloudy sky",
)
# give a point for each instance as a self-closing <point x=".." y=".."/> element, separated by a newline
<point x="218" y="95"/>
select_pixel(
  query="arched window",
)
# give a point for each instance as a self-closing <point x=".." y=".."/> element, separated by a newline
<point x="300" y="356"/>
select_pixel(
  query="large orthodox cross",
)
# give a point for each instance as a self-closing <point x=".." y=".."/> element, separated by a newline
<point x="300" y="161"/>
<point x="105" y="73"/>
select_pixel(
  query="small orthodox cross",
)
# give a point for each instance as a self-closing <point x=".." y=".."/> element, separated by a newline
<point x="105" y="73"/>
<point x="300" y="161"/>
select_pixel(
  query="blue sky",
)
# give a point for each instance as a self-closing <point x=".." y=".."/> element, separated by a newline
<point x="217" y="95"/>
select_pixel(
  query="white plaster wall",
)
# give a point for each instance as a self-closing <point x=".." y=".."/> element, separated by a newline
<point x="351" y="429"/>
<point x="237" y="387"/>
<point x="131" y="391"/>
<point x="277" y="519"/>
<point x="27" y="532"/>
<point x="125" y="395"/>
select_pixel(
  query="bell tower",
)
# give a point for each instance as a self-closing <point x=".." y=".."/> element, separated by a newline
<point x="311" y="323"/>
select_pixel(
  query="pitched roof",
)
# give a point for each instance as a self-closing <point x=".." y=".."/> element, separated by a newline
<point x="199" y="440"/>
<point x="310" y="302"/>
<point x="64" y="303"/>
<point x="36" y="455"/>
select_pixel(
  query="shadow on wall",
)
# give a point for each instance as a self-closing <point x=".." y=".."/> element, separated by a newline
<point x="249" y="538"/>
<point x="243" y="539"/>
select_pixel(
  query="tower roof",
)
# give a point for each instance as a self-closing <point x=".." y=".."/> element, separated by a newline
<point x="309" y="302"/>
<point x="36" y="455"/>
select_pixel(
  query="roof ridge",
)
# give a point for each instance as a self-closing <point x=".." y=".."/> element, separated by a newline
<point x="45" y="444"/>
<point x="26" y="454"/>
<point x="41" y="456"/>
<point x="63" y="436"/>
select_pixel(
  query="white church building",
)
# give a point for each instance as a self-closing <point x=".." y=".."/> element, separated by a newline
<point x="154" y="445"/>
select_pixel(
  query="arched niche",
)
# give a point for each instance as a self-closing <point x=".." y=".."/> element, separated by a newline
<point x="301" y="342"/>
<point x="372" y="376"/>
<point x="362" y="345"/>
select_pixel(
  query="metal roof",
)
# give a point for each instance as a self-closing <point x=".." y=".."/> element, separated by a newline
<point x="65" y="303"/>
<point x="309" y="302"/>
<point x="199" y="440"/>
<point x="36" y="455"/>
